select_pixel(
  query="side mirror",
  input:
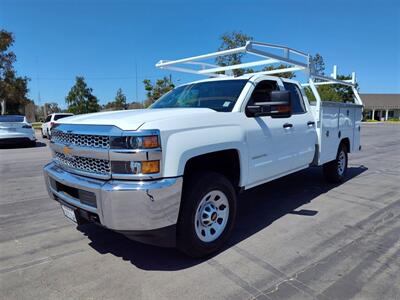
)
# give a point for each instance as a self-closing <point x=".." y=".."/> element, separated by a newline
<point x="278" y="107"/>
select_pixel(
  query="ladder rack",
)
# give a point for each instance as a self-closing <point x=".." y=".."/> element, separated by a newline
<point x="294" y="59"/>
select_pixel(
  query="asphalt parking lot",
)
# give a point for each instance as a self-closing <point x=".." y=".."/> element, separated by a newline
<point x="296" y="238"/>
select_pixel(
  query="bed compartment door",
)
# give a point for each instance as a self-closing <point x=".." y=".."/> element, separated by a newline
<point x="346" y="124"/>
<point x="329" y="133"/>
<point x="357" y="129"/>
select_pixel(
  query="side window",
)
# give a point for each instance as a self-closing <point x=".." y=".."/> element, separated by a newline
<point x="298" y="106"/>
<point x="262" y="91"/>
<point x="48" y="119"/>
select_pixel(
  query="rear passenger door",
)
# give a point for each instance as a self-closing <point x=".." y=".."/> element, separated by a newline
<point x="303" y="130"/>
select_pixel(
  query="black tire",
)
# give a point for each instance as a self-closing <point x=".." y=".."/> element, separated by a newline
<point x="196" y="187"/>
<point x="335" y="172"/>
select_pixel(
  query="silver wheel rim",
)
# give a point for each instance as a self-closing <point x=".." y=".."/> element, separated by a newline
<point x="341" y="162"/>
<point x="212" y="215"/>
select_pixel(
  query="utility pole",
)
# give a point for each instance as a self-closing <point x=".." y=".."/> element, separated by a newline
<point x="45" y="110"/>
<point x="38" y="80"/>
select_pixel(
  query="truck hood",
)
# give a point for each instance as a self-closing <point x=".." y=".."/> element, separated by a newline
<point x="133" y="119"/>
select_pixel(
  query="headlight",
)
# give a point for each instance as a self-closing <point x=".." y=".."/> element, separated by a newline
<point x="143" y="142"/>
<point x="135" y="154"/>
<point x="135" y="142"/>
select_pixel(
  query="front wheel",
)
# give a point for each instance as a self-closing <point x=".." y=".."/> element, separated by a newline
<point x="335" y="171"/>
<point x="207" y="214"/>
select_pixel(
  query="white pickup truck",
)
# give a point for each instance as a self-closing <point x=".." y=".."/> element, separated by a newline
<point x="169" y="175"/>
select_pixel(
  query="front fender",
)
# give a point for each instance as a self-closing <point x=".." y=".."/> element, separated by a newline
<point x="181" y="146"/>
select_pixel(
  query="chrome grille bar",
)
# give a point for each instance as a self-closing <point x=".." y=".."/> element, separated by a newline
<point x="82" y="140"/>
<point x="85" y="164"/>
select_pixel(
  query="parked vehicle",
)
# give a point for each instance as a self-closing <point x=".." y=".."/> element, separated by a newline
<point x="170" y="174"/>
<point x="51" y="121"/>
<point x="15" y="129"/>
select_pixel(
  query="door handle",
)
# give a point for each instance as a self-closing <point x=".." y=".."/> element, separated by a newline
<point x="287" y="125"/>
<point x="310" y="123"/>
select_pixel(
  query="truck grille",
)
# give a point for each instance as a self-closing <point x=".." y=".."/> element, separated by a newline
<point x="83" y="140"/>
<point x="85" y="164"/>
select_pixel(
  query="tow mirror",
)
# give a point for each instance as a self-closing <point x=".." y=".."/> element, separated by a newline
<point x="278" y="107"/>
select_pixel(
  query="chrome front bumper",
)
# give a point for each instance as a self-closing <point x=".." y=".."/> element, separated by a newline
<point x="122" y="205"/>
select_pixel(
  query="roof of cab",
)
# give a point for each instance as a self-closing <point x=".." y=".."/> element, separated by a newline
<point x="241" y="77"/>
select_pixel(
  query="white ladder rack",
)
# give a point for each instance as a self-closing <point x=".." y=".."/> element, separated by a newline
<point x="294" y="59"/>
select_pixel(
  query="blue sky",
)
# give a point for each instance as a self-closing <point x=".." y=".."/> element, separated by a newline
<point x="106" y="41"/>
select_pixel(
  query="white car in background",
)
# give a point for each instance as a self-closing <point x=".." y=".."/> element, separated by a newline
<point x="16" y="129"/>
<point x="50" y="121"/>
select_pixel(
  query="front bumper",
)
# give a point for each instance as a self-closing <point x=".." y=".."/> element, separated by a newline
<point x="121" y="205"/>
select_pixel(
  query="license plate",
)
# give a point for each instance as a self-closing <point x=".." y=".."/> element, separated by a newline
<point x="69" y="213"/>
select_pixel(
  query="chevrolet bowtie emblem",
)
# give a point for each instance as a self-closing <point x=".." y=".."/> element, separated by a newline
<point x="67" y="151"/>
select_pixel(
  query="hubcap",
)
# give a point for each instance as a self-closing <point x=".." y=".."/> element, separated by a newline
<point x="211" y="216"/>
<point x="341" y="162"/>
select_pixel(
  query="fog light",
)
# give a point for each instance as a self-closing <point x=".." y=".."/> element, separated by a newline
<point x="135" y="167"/>
<point x="150" y="167"/>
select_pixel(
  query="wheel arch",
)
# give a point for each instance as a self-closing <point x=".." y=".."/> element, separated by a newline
<point x="346" y="142"/>
<point x="226" y="162"/>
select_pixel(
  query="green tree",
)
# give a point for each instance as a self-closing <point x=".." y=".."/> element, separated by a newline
<point x="13" y="88"/>
<point x="119" y="102"/>
<point x="232" y="40"/>
<point x="135" y="105"/>
<point x="237" y="39"/>
<point x="319" y="64"/>
<point x="330" y="92"/>
<point x="52" y="107"/>
<point x="80" y="99"/>
<point x="157" y="89"/>
<point x="345" y="92"/>
<point x="334" y="92"/>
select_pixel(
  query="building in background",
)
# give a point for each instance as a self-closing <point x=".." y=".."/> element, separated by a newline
<point x="381" y="107"/>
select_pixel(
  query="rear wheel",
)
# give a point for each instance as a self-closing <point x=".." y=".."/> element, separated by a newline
<point x="335" y="171"/>
<point x="207" y="214"/>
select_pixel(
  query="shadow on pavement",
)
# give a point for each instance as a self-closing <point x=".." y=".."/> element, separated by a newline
<point x="257" y="209"/>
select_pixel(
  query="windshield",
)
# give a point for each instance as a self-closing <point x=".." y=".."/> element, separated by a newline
<point x="217" y="95"/>
<point x="18" y="119"/>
